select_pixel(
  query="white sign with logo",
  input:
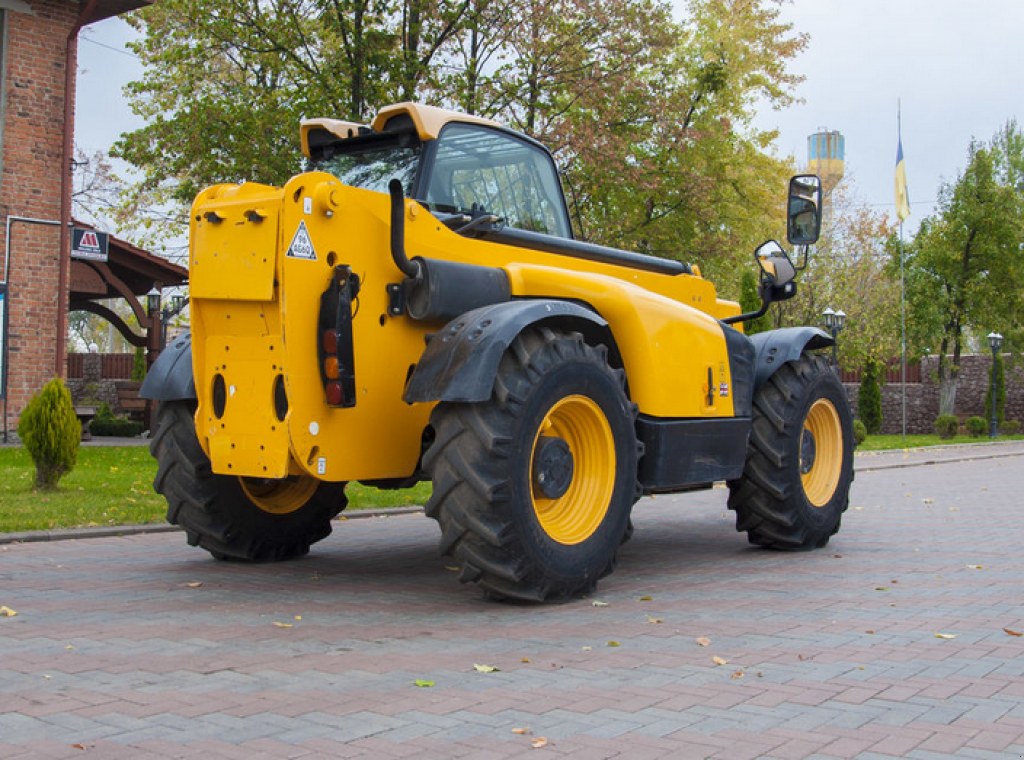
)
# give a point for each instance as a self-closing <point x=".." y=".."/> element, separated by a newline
<point x="89" y="244"/>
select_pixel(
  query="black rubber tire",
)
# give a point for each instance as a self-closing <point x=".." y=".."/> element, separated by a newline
<point x="480" y="467"/>
<point x="770" y="499"/>
<point x="215" y="511"/>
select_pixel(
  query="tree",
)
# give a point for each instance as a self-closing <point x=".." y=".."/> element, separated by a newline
<point x="964" y="269"/>
<point x="652" y="118"/>
<point x="847" y="271"/>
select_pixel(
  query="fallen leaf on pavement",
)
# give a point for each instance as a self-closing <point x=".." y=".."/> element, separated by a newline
<point x="945" y="635"/>
<point x="612" y="644"/>
<point x="881" y="588"/>
<point x="704" y="641"/>
<point x="596" y="603"/>
<point x="197" y="584"/>
<point x="283" y="625"/>
<point x="524" y="659"/>
<point x="423" y="684"/>
<point x="975" y="567"/>
<point x="719" y="661"/>
<point x="485" y="668"/>
<point x="738" y="674"/>
<point x="539" y="742"/>
<point x="520" y="731"/>
<point x="655" y="620"/>
<point x="645" y="598"/>
<point x="6" y="611"/>
<point x="1008" y="632"/>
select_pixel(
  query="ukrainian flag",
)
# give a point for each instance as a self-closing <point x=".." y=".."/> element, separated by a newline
<point x="902" y="196"/>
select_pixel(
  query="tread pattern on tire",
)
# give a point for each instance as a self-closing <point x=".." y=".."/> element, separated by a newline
<point x="214" y="510"/>
<point x="469" y="464"/>
<point x="768" y="499"/>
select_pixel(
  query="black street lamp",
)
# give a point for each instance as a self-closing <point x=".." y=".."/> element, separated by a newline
<point x="995" y="342"/>
<point x="834" y="323"/>
<point x="153" y="301"/>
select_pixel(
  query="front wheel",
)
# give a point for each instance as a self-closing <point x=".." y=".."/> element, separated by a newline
<point x="533" y="488"/>
<point x="236" y="518"/>
<point x="796" y="481"/>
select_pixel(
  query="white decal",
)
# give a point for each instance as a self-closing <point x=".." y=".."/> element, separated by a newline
<point x="321" y="466"/>
<point x="307" y="205"/>
<point x="314" y="428"/>
<point x="302" y="246"/>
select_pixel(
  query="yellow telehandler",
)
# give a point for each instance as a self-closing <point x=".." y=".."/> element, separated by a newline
<point x="415" y="307"/>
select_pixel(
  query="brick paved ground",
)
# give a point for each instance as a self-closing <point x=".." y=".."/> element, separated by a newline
<point x="116" y="652"/>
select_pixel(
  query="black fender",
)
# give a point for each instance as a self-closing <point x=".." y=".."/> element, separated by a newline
<point x="776" y="347"/>
<point x="170" y="378"/>
<point x="461" y="360"/>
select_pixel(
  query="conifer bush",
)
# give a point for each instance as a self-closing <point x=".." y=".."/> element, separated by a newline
<point x="51" y="432"/>
<point x="860" y="433"/>
<point x="869" y="397"/>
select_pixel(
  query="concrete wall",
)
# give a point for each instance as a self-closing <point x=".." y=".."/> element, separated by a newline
<point x="923" y="397"/>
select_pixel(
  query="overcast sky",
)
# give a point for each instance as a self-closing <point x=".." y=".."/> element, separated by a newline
<point x="956" y="65"/>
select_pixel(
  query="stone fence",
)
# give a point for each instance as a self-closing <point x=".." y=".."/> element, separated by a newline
<point x="923" y="397"/>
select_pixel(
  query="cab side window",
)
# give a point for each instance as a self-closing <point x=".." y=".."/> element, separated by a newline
<point x="500" y="174"/>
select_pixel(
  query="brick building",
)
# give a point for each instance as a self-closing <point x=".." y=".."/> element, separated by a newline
<point x="38" y="60"/>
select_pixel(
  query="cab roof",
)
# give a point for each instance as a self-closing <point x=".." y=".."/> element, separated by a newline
<point x="427" y="120"/>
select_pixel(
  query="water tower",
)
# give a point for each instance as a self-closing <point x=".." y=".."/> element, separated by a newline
<point x="826" y="157"/>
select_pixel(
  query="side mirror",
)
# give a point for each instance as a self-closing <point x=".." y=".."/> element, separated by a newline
<point x="803" y="217"/>
<point x="775" y="265"/>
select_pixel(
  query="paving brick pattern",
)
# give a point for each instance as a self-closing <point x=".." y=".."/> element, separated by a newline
<point x="116" y="652"/>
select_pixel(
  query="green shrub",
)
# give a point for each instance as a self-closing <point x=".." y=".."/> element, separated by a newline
<point x="975" y="426"/>
<point x="1010" y="427"/>
<point x="869" y="397"/>
<point x="860" y="433"/>
<point x="946" y="425"/>
<point x="51" y="433"/>
<point x="139" y="365"/>
<point x="117" y="426"/>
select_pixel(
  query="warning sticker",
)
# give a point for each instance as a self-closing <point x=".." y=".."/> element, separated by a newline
<point x="302" y="246"/>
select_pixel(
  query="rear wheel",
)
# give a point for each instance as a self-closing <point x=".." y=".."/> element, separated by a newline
<point x="533" y="488"/>
<point x="796" y="481"/>
<point x="236" y="518"/>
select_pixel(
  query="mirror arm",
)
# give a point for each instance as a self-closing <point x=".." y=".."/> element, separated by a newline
<point x="805" y="249"/>
<point x="765" y="303"/>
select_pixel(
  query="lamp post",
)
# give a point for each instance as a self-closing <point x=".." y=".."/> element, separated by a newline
<point x="153" y="301"/>
<point x="995" y="342"/>
<point x="834" y="323"/>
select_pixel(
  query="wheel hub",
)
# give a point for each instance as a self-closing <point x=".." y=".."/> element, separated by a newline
<point x="808" y="450"/>
<point x="553" y="467"/>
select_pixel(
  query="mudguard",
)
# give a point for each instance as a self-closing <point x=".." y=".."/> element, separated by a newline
<point x="170" y="378"/>
<point x="461" y="360"/>
<point x="776" y="347"/>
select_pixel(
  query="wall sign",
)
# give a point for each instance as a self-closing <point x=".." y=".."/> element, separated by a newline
<point x="89" y="244"/>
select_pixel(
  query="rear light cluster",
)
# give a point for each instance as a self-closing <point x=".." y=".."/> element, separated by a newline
<point x="335" y="350"/>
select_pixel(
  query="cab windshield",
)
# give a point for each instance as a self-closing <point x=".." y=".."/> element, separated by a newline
<point x="372" y="163"/>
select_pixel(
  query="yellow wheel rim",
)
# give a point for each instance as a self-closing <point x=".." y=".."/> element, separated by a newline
<point x="279" y="497"/>
<point x="821" y="458"/>
<point x="573" y="516"/>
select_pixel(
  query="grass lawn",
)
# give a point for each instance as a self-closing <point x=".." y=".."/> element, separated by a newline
<point x="887" y="442"/>
<point x="114" y="486"/>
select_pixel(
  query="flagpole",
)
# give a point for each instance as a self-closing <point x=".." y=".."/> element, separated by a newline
<point x="903" y="300"/>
